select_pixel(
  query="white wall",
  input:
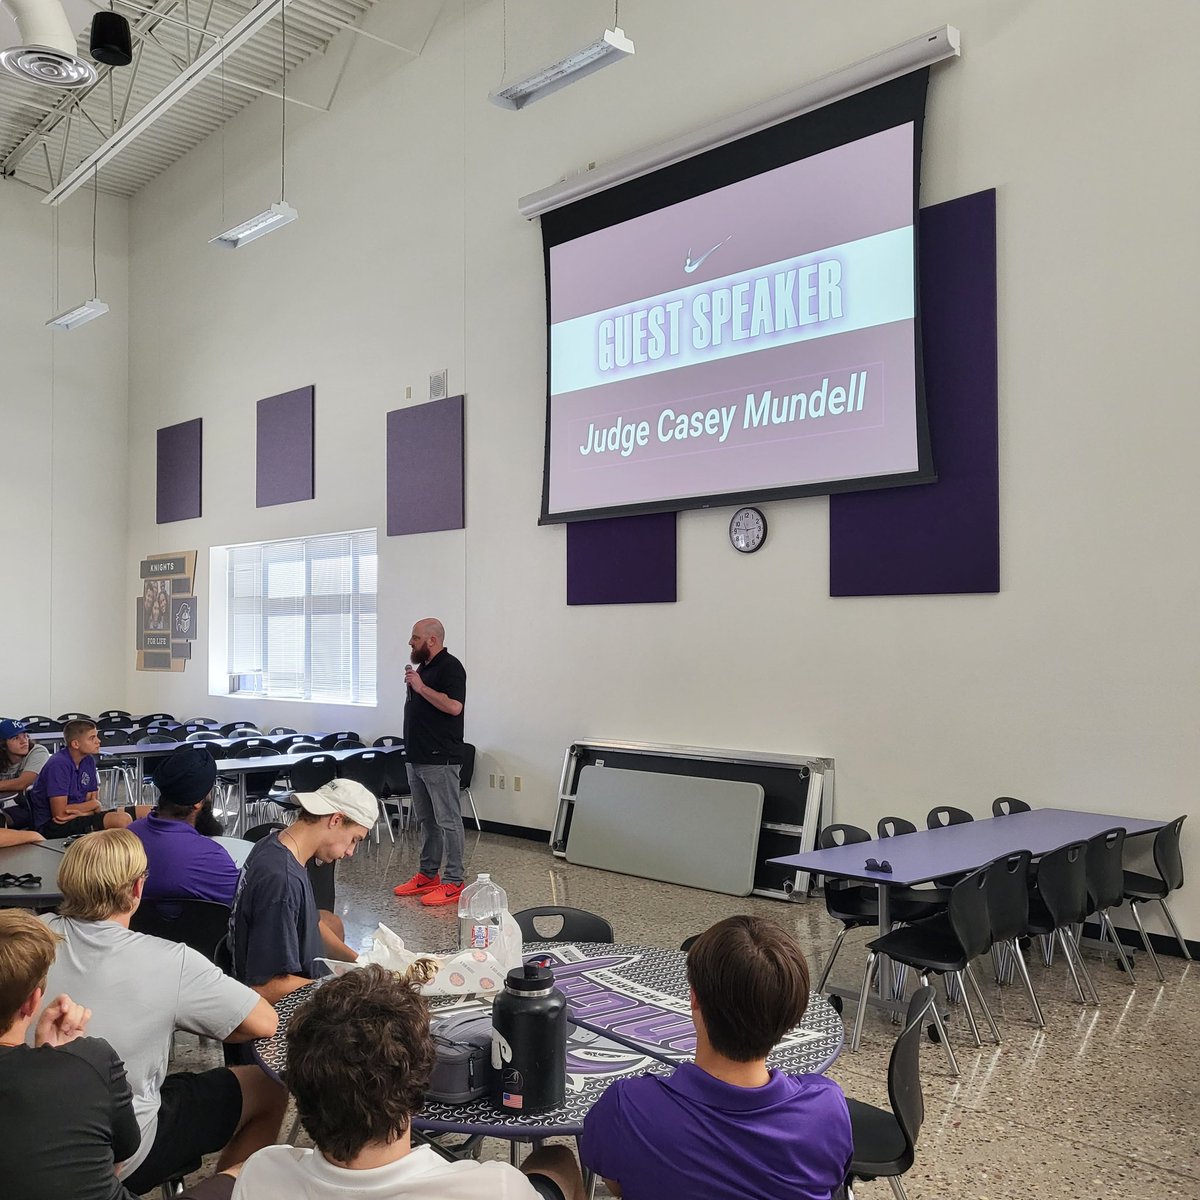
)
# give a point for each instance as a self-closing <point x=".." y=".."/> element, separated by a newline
<point x="1075" y="685"/>
<point x="64" y="616"/>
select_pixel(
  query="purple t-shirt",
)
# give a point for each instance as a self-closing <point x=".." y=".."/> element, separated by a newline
<point x="690" y="1134"/>
<point x="61" y="777"/>
<point x="184" y="863"/>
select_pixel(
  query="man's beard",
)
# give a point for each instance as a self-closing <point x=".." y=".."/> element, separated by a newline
<point x="206" y="823"/>
<point x="420" y="656"/>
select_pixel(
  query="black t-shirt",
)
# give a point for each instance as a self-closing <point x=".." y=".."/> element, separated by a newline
<point x="67" y="1118"/>
<point x="430" y="735"/>
<point x="274" y="928"/>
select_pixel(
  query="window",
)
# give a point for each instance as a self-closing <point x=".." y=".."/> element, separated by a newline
<point x="301" y="618"/>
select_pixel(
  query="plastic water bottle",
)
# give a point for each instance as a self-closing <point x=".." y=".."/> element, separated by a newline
<point x="481" y="909"/>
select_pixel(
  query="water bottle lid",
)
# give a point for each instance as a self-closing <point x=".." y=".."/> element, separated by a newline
<point x="484" y="877"/>
<point x="529" y="978"/>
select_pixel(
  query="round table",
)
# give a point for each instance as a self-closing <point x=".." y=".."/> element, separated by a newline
<point x="607" y="1041"/>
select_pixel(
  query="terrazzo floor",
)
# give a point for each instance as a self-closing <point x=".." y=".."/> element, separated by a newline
<point x="1105" y="1102"/>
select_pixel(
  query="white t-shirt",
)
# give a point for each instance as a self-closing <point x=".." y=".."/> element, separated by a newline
<point x="298" y="1174"/>
<point x="140" y="990"/>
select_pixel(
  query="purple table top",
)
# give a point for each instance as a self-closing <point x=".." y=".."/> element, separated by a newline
<point x="929" y="854"/>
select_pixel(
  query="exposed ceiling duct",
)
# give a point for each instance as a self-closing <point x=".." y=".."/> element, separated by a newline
<point x="47" y="53"/>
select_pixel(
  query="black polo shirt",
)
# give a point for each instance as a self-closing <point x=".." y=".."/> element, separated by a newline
<point x="430" y="735"/>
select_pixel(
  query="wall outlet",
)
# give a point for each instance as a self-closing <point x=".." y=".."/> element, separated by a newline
<point x="500" y="782"/>
<point x="492" y="779"/>
<point x="516" y="783"/>
<point x="408" y="393"/>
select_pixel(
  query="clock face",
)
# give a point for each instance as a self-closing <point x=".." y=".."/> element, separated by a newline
<point x="747" y="530"/>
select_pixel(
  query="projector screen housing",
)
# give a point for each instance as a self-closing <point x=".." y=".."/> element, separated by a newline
<point x="742" y="325"/>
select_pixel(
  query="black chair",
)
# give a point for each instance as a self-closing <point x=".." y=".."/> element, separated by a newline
<point x="388" y="739"/>
<point x="1141" y="889"/>
<point x="946" y="814"/>
<point x="151" y="718"/>
<point x="312" y="773"/>
<point x="944" y="945"/>
<point x="465" y="774"/>
<point x="73" y="717"/>
<point x="173" y="727"/>
<point x="41" y="725"/>
<point x="200" y="924"/>
<point x="885" y="1142"/>
<point x="1106" y="886"/>
<point x="1008" y="911"/>
<point x="577" y="925"/>
<point x="257" y="742"/>
<point x="118" y="768"/>
<point x="206" y="722"/>
<point x="395" y="785"/>
<point x="894" y="827"/>
<point x="204" y="735"/>
<point x="256" y="833"/>
<point x="282" y="729"/>
<point x="151" y="761"/>
<point x="115" y="714"/>
<point x="258" y="783"/>
<point x="302" y="747"/>
<point x="240" y="729"/>
<point x="330" y="740"/>
<point x="1005" y="806"/>
<point x="688" y="942"/>
<point x="1058" y="902"/>
<point x="370" y="769"/>
<point x="346" y="744"/>
<point x="33" y="718"/>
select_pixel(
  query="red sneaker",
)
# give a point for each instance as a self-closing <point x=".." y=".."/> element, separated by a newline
<point x="418" y="885"/>
<point x="444" y="893"/>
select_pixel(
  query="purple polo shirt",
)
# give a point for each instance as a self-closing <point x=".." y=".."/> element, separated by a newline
<point x="61" y="777"/>
<point x="184" y="863"/>
<point x="690" y="1134"/>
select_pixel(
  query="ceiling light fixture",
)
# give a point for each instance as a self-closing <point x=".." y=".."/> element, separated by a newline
<point x="611" y="48"/>
<point x="89" y="310"/>
<point x="279" y="214"/>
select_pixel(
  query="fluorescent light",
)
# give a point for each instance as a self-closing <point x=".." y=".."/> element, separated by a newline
<point x="932" y="47"/>
<point x="81" y="314"/>
<point x="611" y="48"/>
<point x="276" y="216"/>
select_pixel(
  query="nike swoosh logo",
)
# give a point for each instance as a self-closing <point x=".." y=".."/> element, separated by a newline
<point x="694" y="264"/>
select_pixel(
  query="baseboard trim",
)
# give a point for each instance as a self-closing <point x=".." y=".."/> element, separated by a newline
<point x="517" y="831"/>
<point x="1163" y="943"/>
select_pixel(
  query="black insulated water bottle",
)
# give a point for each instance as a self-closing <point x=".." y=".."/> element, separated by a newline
<point x="529" y="1042"/>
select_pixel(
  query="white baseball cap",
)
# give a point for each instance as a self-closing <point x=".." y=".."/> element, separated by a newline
<point x="355" y="802"/>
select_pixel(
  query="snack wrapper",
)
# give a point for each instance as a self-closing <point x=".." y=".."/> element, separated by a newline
<point x="467" y="973"/>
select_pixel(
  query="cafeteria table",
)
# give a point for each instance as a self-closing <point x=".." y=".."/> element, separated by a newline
<point x="39" y="859"/>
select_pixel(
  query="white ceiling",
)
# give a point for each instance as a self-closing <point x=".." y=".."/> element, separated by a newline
<point x="46" y="132"/>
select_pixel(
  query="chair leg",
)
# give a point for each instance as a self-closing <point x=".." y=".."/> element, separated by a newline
<point x="1019" y="959"/>
<point x="967" y="1009"/>
<point x="474" y="810"/>
<point x="940" y="1025"/>
<point x="897" y="1187"/>
<point x="860" y="1015"/>
<point x="987" y="1012"/>
<point x="837" y="945"/>
<point x="1187" y="954"/>
<point x="1106" y="923"/>
<point x="1137" y="920"/>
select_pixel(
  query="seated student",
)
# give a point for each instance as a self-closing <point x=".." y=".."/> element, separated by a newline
<point x="21" y="759"/>
<point x="65" y="796"/>
<point x="68" y="1113"/>
<point x="141" y="990"/>
<point x="725" y="1126"/>
<point x="184" y="860"/>
<point x="276" y="930"/>
<point x="360" y="1055"/>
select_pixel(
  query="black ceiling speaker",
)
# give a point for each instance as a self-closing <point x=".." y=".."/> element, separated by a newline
<point x="111" y="41"/>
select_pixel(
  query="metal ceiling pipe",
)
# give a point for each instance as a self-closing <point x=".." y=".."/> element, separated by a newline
<point x="47" y="51"/>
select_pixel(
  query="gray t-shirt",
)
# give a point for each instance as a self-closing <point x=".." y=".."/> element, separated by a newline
<point x="34" y="761"/>
<point x="140" y="990"/>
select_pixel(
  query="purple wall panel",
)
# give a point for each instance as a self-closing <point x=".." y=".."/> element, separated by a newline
<point x="178" y="472"/>
<point x="942" y="537"/>
<point x="622" y="560"/>
<point x="284" y="471"/>
<point x="425" y="447"/>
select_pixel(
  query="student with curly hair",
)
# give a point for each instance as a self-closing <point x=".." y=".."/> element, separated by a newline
<point x="360" y="1055"/>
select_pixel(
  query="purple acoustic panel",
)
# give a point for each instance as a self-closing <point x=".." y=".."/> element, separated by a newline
<point x="425" y="467"/>
<point x="622" y="560"/>
<point x="178" y="472"/>
<point x="941" y="537"/>
<point x="284" y="458"/>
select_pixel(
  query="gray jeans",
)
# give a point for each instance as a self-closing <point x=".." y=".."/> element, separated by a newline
<point x="435" y="797"/>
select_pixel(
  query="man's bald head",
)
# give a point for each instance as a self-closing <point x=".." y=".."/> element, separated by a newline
<point x="428" y="638"/>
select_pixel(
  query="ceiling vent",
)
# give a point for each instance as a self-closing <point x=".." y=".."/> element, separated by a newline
<point x="47" y="53"/>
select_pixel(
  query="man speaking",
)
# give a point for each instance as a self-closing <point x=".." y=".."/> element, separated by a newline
<point x="433" y="746"/>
